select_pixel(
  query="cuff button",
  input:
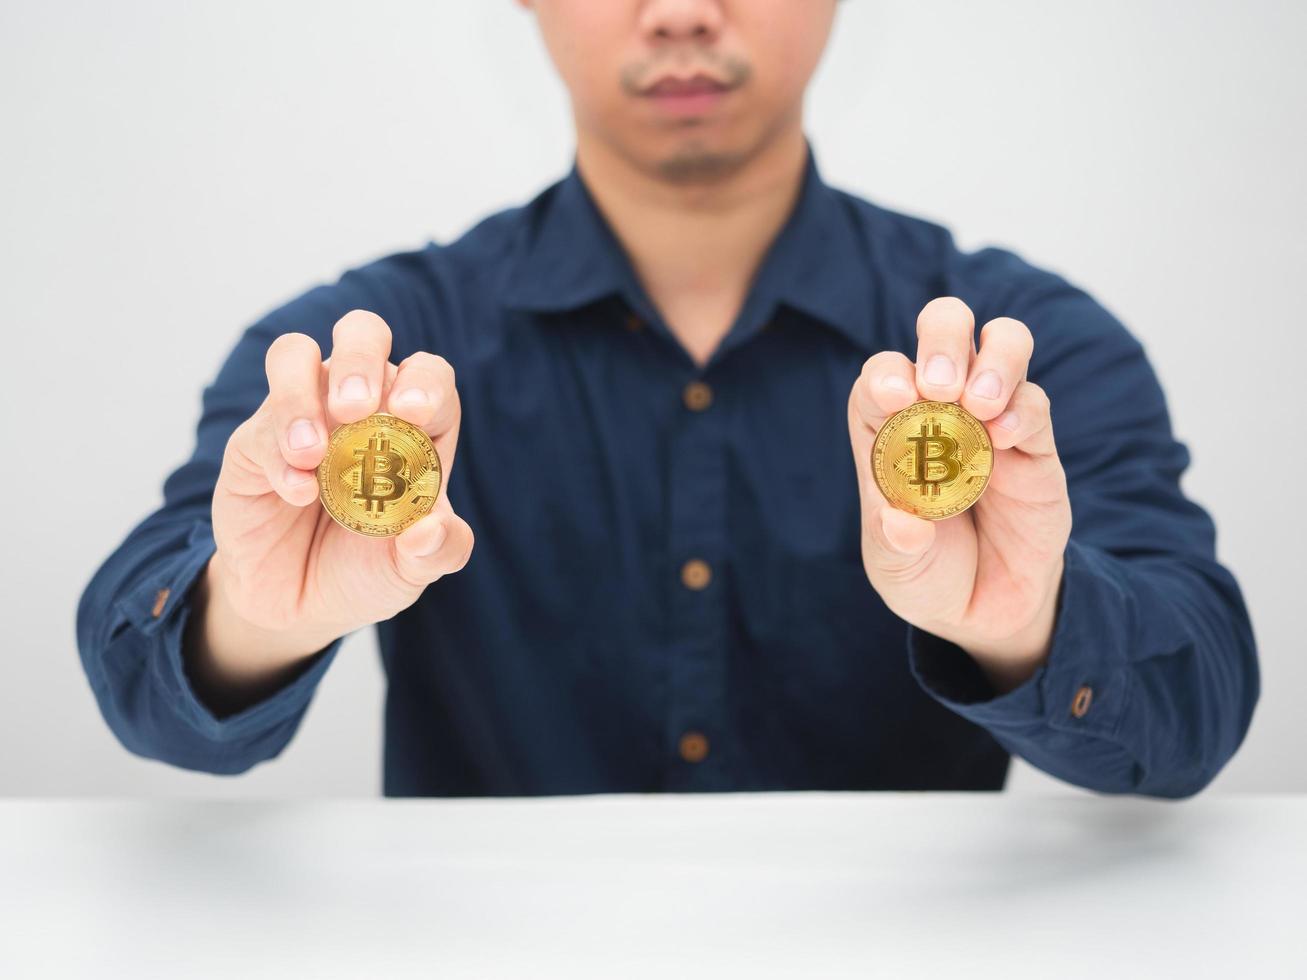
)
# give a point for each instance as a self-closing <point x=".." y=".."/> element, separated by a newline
<point x="1080" y="704"/>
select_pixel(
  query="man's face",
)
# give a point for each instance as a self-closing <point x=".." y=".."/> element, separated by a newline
<point x="687" y="90"/>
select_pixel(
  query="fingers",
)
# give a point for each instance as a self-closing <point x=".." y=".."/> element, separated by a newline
<point x="287" y="438"/>
<point x="360" y="349"/>
<point x="439" y="544"/>
<point x="1026" y="424"/>
<point x="424" y="393"/>
<point x="990" y="383"/>
<point x="281" y="445"/>
<point x="887" y="385"/>
<point x="294" y="368"/>
<point x="893" y="540"/>
<point x="1000" y="366"/>
<point x="945" y="348"/>
<point x="254" y="463"/>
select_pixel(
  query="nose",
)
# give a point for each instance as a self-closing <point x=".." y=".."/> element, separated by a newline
<point x="681" y="20"/>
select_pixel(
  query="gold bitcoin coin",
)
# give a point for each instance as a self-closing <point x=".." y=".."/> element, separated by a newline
<point x="932" y="459"/>
<point x="380" y="475"/>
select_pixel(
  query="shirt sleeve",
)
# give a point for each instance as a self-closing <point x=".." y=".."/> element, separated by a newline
<point x="1152" y="676"/>
<point x="132" y="615"/>
<point x="130" y="630"/>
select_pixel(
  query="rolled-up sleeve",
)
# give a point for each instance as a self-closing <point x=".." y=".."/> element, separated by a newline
<point x="1152" y="676"/>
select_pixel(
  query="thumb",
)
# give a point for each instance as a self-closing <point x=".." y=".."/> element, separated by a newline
<point x="437" y="545"/>
<point x="896" y="540"/>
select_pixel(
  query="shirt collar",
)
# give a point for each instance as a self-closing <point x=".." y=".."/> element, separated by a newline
<point x="817" y="264"/>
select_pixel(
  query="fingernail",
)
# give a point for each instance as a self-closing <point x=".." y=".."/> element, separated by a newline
<point x="412" y="396"/>
<point x="295" y="477"/>
<point x="354" y="388"/>
<point x="1008" y="420"/>
<point x="896" y="545"/>
<point x="895" y="382"/>
<point x="302" y="434"/>
<point x="436" y="541"/>
<point x="940" y="371"/>
<point x="987" y="385"/>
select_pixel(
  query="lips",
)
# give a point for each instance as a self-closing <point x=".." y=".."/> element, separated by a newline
<point x="694" y="85"/>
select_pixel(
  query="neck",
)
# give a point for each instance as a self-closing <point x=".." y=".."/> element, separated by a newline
<point x="695" y="247"/>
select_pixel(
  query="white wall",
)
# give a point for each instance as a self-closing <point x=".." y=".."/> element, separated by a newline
<point x="172" y="170"/>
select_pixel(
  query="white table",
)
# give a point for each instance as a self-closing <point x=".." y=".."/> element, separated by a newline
<point x="769" y="885"/>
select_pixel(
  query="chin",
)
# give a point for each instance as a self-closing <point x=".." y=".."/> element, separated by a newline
<point x="695" y="159"/>
<point x="697" y="167"/>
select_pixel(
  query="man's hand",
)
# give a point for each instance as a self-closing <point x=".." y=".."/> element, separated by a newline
<point x="286" y="579"/>
<point x="987" y="579"/>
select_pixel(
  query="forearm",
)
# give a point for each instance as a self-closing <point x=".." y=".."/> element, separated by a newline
<point x="233" y="663"/>
<point x="1148" y="687"/>
<point x="131" y="621"/>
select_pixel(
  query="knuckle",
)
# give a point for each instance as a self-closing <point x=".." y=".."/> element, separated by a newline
<point x="446" y="369"/>
<point x="293" y="344"/>
<point x="885" y="360"/>
<point x="467" y="550"/>
<point x="423" y="359"/>
<point x="1038" y="396"/>
<point x="260" y="444"/>
<point x="1008" y="332"/>
<point x="266" y="433"/>
<point x="296" y="401"/>
<point x="287" y="350"/>
<point x="933" y="330"/>
<point x="247" y="447"/>
<point x="945" y="313"/>
<point x="242" y="437"/>
<point x="883" y="365"/>
<point x="429" y="366"/>
<point x="946" y="304"/>
<point x="354" y="361"/>
<point x="361" y="330"/>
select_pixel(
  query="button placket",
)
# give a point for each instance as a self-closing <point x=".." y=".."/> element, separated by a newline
<point x="697" y="548"/>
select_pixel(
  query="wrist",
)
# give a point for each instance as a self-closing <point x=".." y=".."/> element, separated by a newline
<point x="231" y="616"/>
<point x="1012" y="660"/>
<point x="233" y="661"/>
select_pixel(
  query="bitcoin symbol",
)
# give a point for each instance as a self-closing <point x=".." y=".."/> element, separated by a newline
<point x="932" y="459"/>
<point x="393" y="486"/>
<point x="380" y="475"/>
<point x="932" y="446"/>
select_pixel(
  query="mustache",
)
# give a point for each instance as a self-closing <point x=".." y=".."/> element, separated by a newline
<point x="726" y="69"/>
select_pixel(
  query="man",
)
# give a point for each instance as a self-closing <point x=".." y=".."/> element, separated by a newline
<point x="671" y="365"/>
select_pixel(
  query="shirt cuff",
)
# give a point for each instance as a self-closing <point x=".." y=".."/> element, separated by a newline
<point x="1087" y="651"/>
<point x="160" y="607"/>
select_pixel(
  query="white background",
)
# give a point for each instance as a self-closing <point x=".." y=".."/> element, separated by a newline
<point x="171" y="171"/>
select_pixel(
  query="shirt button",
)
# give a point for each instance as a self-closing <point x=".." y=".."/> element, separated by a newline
<point x="633" y="322"/>
<point x="693" y="746"/>
<point x="160" y="600"/>
<point x="697" y="396"/>
<point x="696" y="574"/>
<point x="1080" y="704"/>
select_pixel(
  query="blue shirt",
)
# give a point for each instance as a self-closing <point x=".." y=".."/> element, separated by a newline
<point x="573" y="653"/>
